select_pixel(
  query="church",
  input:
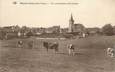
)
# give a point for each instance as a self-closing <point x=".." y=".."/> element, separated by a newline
<point x="75" y="28"/>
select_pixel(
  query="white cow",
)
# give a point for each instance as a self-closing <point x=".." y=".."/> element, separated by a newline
<point x="20" y="44"/>
<point x="71" y="49"/>
<point x="110" y="52"/>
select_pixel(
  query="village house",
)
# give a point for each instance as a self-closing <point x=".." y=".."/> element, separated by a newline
<point x="93" y="31"/>
<point x="54" y="29"/>
<point x="63" y="30"/>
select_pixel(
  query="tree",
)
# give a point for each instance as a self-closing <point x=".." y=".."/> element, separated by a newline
<point x="107" y="29"/>
<point x="114" y="30"/>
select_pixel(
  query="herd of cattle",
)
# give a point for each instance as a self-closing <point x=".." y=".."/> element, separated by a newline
<point x="48" y="45"/>
<point x="55" y="46"/>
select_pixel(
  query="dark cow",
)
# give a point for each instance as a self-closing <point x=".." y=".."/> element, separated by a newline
<point x="45" y="44"/>
<point x="48" y="45"/>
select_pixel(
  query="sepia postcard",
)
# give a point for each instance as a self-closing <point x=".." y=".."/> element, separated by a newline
<point x="57" y="35"/>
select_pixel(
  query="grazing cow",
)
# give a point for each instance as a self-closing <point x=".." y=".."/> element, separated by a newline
<point x="20" y="44"/>
<point x="48" y="45"/>
<point x="71" y="49"/>
<point x="110" y="52"/>
<point x="54" y="46"/>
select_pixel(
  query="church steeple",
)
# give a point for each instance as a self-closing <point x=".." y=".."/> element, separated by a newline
<point x="71" y="19"/>
<point x="71" y="23"/>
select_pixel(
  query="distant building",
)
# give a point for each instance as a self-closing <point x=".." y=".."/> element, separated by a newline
<point x="54" y="29"/>
<point x="78" y="28"/>
<point x="93" y="31"/>
<point x="11" y="28"/>
<point x="75" y="27"/>
<point x="63" y="30"/>
<point x="41" y="30"/>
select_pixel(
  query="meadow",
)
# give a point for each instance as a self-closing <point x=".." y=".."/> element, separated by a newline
<point x="90" y="55"/>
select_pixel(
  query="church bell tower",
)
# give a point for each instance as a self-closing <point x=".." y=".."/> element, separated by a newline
<point x="71" y="24"/>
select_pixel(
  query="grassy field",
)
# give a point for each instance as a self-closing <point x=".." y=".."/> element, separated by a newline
<point x="90" y="56"/>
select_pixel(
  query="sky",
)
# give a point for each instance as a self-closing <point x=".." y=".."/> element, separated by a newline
<point x="90" y="13"/>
